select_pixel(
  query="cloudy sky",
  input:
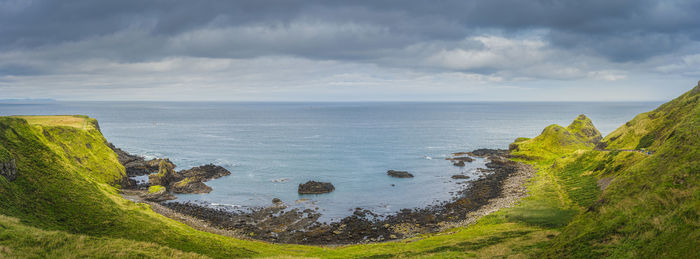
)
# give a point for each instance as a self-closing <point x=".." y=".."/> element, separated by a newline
<point x="490" y="50"/>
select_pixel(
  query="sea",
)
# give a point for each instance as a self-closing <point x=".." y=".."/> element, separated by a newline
<point x="270" y="148"/>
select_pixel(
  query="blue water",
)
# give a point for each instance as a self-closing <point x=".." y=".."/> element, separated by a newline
<point x="351" y="145"/>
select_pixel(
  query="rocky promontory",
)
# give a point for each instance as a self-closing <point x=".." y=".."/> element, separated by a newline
<point x="161" y="172"/>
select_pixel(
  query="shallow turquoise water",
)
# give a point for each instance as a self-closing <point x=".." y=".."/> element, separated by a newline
<point x="272" y="147"/>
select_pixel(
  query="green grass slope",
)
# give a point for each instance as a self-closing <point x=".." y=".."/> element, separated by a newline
<point x="652" y="207"/>
<point x="20" y="241"/>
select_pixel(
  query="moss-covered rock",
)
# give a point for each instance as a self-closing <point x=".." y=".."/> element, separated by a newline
<point x="582" y="127"/>
<point x="157" y="193"/>
<point x="190" y="185"/>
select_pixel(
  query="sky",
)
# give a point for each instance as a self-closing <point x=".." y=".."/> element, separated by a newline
<point x="286" y="50"/>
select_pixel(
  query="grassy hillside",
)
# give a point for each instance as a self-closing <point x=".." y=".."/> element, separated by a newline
<point x="585" y="201"/>
<point x="652" y="207"/>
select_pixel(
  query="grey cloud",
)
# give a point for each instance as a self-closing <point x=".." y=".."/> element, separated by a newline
<point x="404" y="23"/>
<point x="135" y="43"/>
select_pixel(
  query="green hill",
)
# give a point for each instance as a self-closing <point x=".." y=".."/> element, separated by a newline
<point x="591" y="197"/>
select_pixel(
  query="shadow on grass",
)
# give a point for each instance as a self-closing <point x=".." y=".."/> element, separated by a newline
<point x="542" y="217"/>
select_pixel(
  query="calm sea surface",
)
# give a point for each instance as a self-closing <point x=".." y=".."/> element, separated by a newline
<point x="272" y="147"/>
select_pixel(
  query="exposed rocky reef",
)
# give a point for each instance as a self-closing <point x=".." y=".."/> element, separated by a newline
<point x="314" y="187"/>
<point x="161" y="172"/>
<point x="399" y="174"/>
<point x="459" y="159"/>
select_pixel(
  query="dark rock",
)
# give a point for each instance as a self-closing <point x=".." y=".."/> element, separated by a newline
<point x="166" y="174"/>
<point x="485" y="152"/>
<point x="276" y="201"/>
<point x="461" y="158"/>
<point x="460" y="176"/>
<point x="399" y="174"/>
<point x="313" y="187"/>
<point x="458" y="163"/>
<point x="189" y="185"/>
<point x="137" y="165"/>
<point x="8" y="170"/>
<point x="205" y="172"/>
<point x="157" y="194"/>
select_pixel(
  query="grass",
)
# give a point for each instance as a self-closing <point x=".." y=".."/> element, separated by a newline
<point x="155" y="188"/>
<point x="20" y="241"/>
<point x="64" y="202"/>
<point x="75" y="121"/>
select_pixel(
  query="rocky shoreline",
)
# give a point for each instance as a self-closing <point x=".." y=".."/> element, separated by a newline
<point x="163" y="180"/>
<point x="501" y="185"/>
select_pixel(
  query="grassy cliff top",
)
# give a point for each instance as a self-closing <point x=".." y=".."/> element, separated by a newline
<point x="76" y="121"/>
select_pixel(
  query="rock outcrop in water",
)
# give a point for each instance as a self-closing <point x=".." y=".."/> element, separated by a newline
<point x="399" y="174"/>
<point x="161" y="172"/>
<point x="137" y="165"/>
<point x="314" y="187"/>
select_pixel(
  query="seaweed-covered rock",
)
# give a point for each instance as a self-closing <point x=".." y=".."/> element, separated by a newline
<point x="459" y="163"/>
<point x="314" y="187"/>
<point x="460" y="176"/>
<point x="399" y="174"/>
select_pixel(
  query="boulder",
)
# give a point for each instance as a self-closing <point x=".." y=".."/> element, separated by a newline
<point x="460" y="176"/>
<point x="399" y="174"/>
<point x="157" y="193"/>
<point x="189" y="185"/>
<point x="314" y="187"/>
<point x="458" y="163"/>
<point x="8" y="170"/>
